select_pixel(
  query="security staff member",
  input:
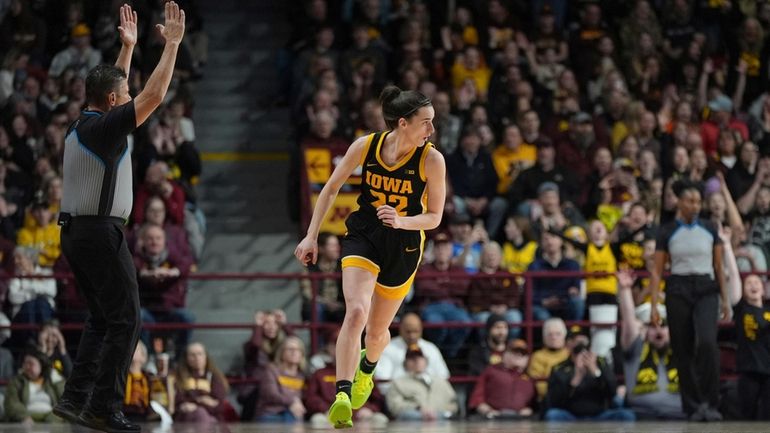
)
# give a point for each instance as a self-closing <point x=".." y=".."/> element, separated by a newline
<point x="96" y="202"/>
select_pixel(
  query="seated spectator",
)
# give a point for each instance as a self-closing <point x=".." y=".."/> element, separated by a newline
<point x="549" y="213"/>
<point x="157" y="182"/>
<point x="162" y="277"/>
<point x="504" y="390"/>
<point x="79" y="56"/>
<point x="320" y="393"/>
<point x="31" y="299"/>
<point x="559" y="295"/>
<point x="652" y="384"/>
<point x="512" y="157"/>
<point x="51" y="190"/>
<point x="474" y="181"/>
<point x="467" y="242"/>
<point x="50" y="342"/>
<point x="519" y="248"/>
<point x="583" y="388"/>
<point x="494" y="295"/>
<point x="526" y="187"/>
<point x="553" y="353"/>
<point x="281" y="384"/>
<point x="418" y="395"/>
<point x="31" y="395"/>
<point x="322" y="128"/>
<point x="442" y="299"/>
<point x="490" y="350"/>
<point x="201" y="389"/>
<point x="155" y="214"/>
<point x="44" y="236"/>
<point x="139" y="389"/>
<point x="753" y="355"/>
<point x="329" y="301"/>
<point x="391" y="363"/>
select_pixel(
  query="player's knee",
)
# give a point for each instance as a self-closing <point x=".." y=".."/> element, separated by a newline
<point x="356" y="315"/>
<point x="378" y="338"/>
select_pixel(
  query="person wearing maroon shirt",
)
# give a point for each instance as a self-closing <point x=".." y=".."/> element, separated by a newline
<point x="157" y="183"/>
<point x="442" y="299"/>
<point x="577" y="147"/>
<point x="504" y="390"/>
<point x="201" y="388"/>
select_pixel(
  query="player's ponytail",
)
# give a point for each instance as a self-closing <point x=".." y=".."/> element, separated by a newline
<point x="397" y="104"/>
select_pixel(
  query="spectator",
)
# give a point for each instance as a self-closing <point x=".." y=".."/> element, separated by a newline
<point x="162" y="277"/>
<point x="494" y="295"/>
<point x="418" y="395"/>
<point x="652" y="383"/>
<point x="322" y="128"/>
<point x="519" y="247"/>
<point x="44" y="237"/>
<point x="447" y="125"/>
<point x="281" y="384"/>
<point x="31" y="299"/>
<point x="320" y="391"/>
<point x="50" y="342"/>
<point x="579" y="145"/>
<point x="442" y="299"/>
<point x="549" y="213"/>
<point x="156" y="182"/>
<point x="21" y="29"/>
<point x="79" y="56"/>
<point x="525" y="187"/>
<point x="474" y="181"/>
<point x="268" y="333"/>
<point x="504" y="390"/>
<point x="557" y="295"/>
<point x="155" y="214"/>
<point x="493" y="342"/>
<point x="31" y="395"/>
<point x="552" y="354"/>
<point x="582" y="388"/>
<point x="512" y="157"/>
<point x="391" y="365"/>
<point x="468" y="240"/>
<point x="201" y="389"/>
<point x="329" y="301"/>
<point x="721" y="117"/>
<point x="139" y="387"/>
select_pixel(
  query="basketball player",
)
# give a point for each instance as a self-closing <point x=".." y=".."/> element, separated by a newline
<point x="402" y="194"/>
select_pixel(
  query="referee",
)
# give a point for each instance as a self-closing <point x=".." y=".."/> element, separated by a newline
<point x="96" y="202"/>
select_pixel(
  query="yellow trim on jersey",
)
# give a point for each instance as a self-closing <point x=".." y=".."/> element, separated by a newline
<point x="400" y="291"/>
<point x="423" y="157"/>
<point x="366" y="149"/>
<point x="399" y="163"/>
<point x="360" y="262"/>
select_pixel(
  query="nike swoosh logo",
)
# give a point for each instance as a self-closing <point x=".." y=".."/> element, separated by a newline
<point x="411" y="250"/>
<point x="371" y="165"/>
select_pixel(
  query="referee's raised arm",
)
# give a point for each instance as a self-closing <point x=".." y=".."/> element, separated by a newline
<point x="155" y="90"/>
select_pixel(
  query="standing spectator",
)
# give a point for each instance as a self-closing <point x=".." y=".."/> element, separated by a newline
<point x="582" y="388"/>
<point x="694" y="251"/>
<point x="442" y="299"/>
<point x="79" y="56"/>
<point x="31" y="395"/>
<point x="201" y="388"/>
<point x="419" y="395"/>
<point x="651" y="379"/>
<point x="553" y="353"/>
<point x="281" y="384"/>
<point x="558" y="295"/>
<point x="752" y="325"/>
<point x="391" y="364"/>
<point x="494" y="295"/>
<point x="721" y="117"/>
<point x="474" y="181"/>
<point x="504" y="390"/>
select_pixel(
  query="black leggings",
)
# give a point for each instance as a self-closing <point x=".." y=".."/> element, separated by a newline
<point x="754" y="396"/>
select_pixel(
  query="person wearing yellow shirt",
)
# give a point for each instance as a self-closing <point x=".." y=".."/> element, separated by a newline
<point x="518" y="249"/>
<point x="44" y="236"/>
<point x="554" y="352"/>
<point x="471" y="65"/>
<point x="511" y="157"/>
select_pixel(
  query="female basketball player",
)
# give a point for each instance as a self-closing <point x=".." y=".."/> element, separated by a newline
<point x="402" y="194"/>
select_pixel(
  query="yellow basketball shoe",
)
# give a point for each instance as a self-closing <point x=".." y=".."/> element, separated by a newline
<point x="340" y="412"/>
<point x="363" y="384"/>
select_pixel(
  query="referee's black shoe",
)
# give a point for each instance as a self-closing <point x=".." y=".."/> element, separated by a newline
<point x="68" y="410"/>
<point x="114" y="422"/>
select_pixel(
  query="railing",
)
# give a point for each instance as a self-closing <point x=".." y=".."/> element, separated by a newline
<point x="314" y="326"/>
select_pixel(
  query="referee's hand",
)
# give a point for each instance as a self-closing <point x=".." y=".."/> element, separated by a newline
<point x="307" y="251"/>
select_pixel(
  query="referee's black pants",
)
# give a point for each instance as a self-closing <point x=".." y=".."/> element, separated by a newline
<point x="96" y="250"/>
<point x="692" y="311"/>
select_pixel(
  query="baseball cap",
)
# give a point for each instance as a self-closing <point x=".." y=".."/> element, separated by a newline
<point x="624" y="163"/>
<point x="721" y="103"/>
<point x="414" y="353"/>
<point x="581" y="117"/>
<point x="81" y="30"/>
<point x="547" y="186"/>
<point x="519" y="346"/>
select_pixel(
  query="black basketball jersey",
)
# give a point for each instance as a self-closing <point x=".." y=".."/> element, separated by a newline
<point x="401" y="185"/>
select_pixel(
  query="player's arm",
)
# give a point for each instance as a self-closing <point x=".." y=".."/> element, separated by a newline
<point x="341" y="173"/>
<point x="435" y="173"/>
<point x="128" y="35"/>
<point x="157" y="85"/>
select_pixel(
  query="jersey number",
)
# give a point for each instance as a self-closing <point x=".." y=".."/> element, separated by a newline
<point x="399" y="200"/>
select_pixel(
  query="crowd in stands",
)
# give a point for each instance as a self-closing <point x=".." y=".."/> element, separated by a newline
<point x="568" y="129"/>
<point x="46" y="51"/>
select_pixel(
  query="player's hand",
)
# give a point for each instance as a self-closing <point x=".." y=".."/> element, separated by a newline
<point x="625" y="280"/>
<point x="127" y="27"/>
<point x="173" y="29"/>
<point x="726" y="312"/>
<point x="307" y="251"/>
<point x="389" y="216"/>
